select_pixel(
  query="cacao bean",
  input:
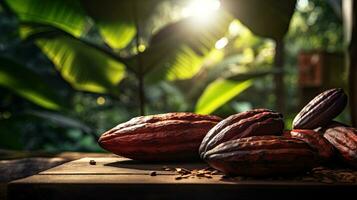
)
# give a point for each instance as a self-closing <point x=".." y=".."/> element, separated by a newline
<point x="321" y="110"/>
<point x="315" y="140"/>
<point x="245" y="124"/>
<point x="262" y="156"/>
<point x="344" y="139"/>
<point x="162" y="137"/>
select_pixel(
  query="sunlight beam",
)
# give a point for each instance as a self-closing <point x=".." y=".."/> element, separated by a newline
<point x="201" y="9"/>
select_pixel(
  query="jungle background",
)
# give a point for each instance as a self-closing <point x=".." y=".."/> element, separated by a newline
<point x="72" y="69"/>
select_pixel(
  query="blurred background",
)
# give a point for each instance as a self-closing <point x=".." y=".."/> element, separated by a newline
<point x="70" y="69"/>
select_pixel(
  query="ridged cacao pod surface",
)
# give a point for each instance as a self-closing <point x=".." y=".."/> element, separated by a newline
<point x="315" y="140"/>
<point x="262" y="156"/>
<point x="162" y="137"/>
<point x="344" y="139"/>
<point x="321" y="110"/>
<point x="250" y="123"/>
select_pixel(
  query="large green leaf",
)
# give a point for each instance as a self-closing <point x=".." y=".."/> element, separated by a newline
<point x="116" y="34"/>
<point x="113" y="19"/>
<point x="218" y="93"/>
<point x="268" y="18"/>
<point x="28" y="85"/>
<point x="224" y="89"/>
<point x="83" y="66"/>
<point x="64" y="14"/>
<point x="177" y="51"/>
<point x="116" y="19"/>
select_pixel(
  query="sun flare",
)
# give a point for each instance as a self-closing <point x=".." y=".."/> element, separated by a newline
<point x="221" y="43"/>
<point x="201" y="9"/>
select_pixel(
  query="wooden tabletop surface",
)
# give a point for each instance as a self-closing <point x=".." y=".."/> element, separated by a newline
<point x="121" y="178"/>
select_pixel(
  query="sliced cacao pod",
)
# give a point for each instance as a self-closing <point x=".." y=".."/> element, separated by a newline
<point x="262" y="156"/>
<point x="162" y="137"/>
<point x="344" y="139"/>
<point x="315" y="140"/>
<point x="245" y="124"/>
<point x="321" y="110"/>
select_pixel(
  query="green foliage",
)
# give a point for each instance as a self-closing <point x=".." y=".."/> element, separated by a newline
<point x="64" y="14"/>
<point x="221" y="91"/>
<point x="218" y="93"/>
<point x="114" y="19"/>
<point x="184" y="45"/>
<point x="117" y="35"/>
<point x="28" y="85"/>
<point x="315" y="26"/>
<point x="85" y="67"/>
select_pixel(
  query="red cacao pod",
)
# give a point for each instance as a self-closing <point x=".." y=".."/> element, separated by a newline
<point x="315" y="140"/>
<point x="162" y="137"/>
<point x="344" y="139"/>
<point x="245" y="124"/>
<point x="321" y="110"/>
<point x="262" y="156"/>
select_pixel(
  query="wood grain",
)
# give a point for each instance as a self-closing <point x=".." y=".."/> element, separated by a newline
<point x="120" y="178"/>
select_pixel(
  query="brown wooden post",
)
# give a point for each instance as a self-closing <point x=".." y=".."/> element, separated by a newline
<point x="279" y="77"/>
<point x="353" y="77"/>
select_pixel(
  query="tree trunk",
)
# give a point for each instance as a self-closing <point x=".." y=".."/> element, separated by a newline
<point x="353" y="86"/>
<point x="139" y="74"/>
<point x="352" y="77"/>
<point x="350" y="18"/>
<point x="279" y="77"/>
<point x="141" y="95"/>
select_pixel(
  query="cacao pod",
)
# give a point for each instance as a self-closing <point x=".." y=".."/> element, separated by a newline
<point x="162" y="137"/>
<point x="262" y="156"/>
<point x="344" y="139"/>
<point x="321" y="110"/>
<point x="315" y="140"/>
<point x="245" y="124"/>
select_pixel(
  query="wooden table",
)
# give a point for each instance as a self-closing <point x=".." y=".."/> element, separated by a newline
<point x="20" y="164"/>
<point x="120" y="178"/>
